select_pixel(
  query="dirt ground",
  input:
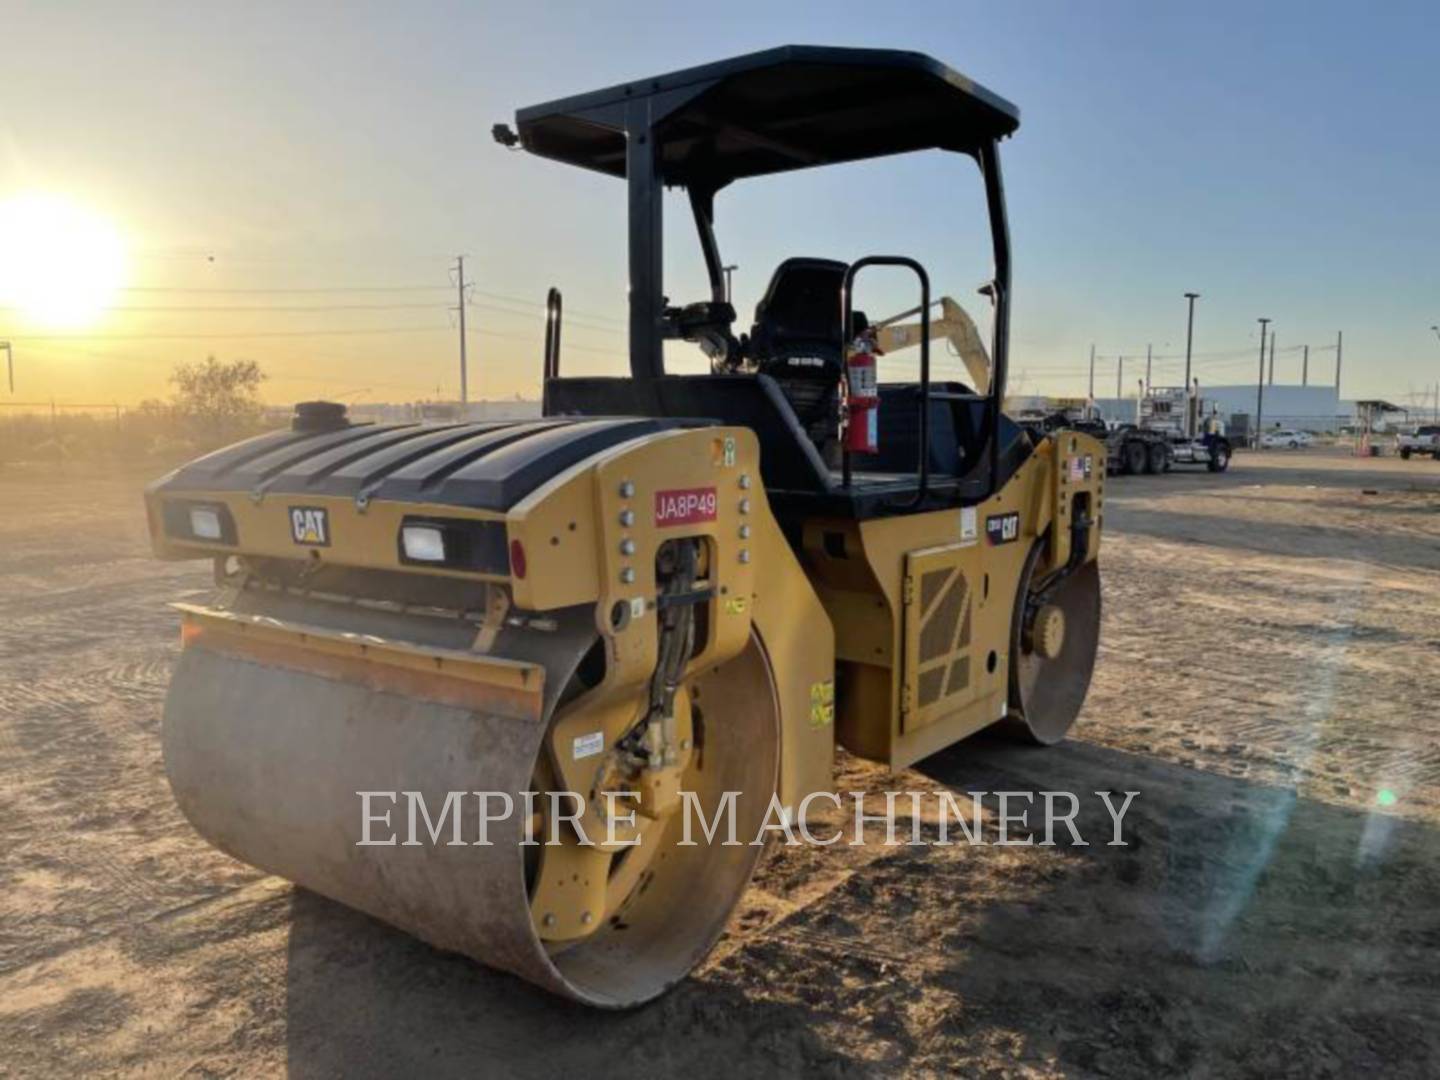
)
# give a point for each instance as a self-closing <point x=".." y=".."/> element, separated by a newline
<point x="1268" y="683"/>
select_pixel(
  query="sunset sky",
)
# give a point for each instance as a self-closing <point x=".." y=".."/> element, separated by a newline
<point x="291" y="183"/>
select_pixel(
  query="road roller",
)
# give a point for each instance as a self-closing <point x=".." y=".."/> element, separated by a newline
<point x="666" y="592"/>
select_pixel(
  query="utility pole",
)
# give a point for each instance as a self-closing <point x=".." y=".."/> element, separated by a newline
<point x="728" y="271"/>
<point x="1272" y="358"/>
<point x="1189" y="340"/>
<point x="460" y="300"/>
<point x="1339" y="348"/>
<point x="1092" y="372"/>
<point x="9" y="364"/>
<point x="1305" y="368"/>
<point x="1433" y="327"/>
<point x="1149" y="356"/>
<point x="1260" y="384"/>
<point x="1119" y="378"/>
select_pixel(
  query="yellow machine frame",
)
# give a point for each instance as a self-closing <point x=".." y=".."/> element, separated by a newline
<point x="849" y="639"/>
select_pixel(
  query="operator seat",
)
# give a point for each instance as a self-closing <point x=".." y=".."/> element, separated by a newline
<point x="796" y="341"/>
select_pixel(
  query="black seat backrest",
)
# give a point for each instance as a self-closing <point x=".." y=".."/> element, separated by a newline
<point x="799" y="315"/>
<point x="957" y="432"/>
<point x="788" y="459"/>
<point x="900" y="431"/>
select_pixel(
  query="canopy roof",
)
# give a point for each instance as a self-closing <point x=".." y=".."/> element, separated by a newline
<point x="772" y="111"/>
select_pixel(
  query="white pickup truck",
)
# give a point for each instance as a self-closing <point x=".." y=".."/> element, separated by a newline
<point x="1425" y="440"/>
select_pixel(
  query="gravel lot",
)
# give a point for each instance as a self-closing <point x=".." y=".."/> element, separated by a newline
<point x="1268" y="683"/>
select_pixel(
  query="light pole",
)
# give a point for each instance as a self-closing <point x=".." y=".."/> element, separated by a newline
<point x="728" y="271"/>
<point x="1260" y="384"/>
<point x="9" y="364"/>
<point x="1189" y="340"/>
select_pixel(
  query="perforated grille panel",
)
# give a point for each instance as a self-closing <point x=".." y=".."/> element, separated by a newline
<point x="938" y="615"/>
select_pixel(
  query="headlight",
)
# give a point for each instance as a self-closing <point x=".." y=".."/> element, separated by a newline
<point x="423" y="543"/>
<point x="205" y="523"/>
<point x="472" y="544"/>
<point x="208" y="522"/>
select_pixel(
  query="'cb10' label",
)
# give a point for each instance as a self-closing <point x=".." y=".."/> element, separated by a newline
<point x="1003" y="528"/>
<point x="684" y="506"/>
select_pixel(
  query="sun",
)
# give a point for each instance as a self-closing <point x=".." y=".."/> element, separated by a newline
<point x="61" y="264"/>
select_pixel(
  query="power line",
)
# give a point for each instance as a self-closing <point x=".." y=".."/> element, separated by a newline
<point x="569" y="320"/>
<point x="237" y="335"/>
<point x="1078" y="370"/>
<point x="211" y="290"/>
<point x="209" y="309"/>
<point x="212" y="256"/>
<point x="216" y="309"/>
<point x="111" y="356"/>
<point x="246" y="335"/>
<point x="186" y="290"/>
<point x="529" y="303"/>
<point x="619" y="325"/>
<point x="288" y="309"/>
<point x="536" y="342"/>
<point x="1169" y="357"/>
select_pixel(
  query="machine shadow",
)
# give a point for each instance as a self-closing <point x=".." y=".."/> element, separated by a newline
<point x="1275" y="538"/>
<point x="365" y="999"/>
<point x="1297" y="473"/>
<point x="1243" y="930"/>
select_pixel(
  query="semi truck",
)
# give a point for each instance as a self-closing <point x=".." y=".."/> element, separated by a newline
<point x="1193" y="434"/>
<point x="1154" y="443"/>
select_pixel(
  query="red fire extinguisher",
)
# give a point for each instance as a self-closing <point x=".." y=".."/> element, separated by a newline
<point x="862" y="396"/>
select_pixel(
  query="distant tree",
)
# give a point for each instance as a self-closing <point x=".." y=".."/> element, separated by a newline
<point x="152" y="409"/>
<point x="218" y="397"/>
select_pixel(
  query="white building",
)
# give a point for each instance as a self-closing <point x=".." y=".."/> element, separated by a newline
<point x="1304" y="408"/>
<point x="1316" y="409"/>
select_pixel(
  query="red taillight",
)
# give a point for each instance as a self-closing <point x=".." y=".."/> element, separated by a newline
<point x="517" y="558"/>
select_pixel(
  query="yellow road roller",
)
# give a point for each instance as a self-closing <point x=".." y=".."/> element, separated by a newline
<point x="668" y="591"/>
